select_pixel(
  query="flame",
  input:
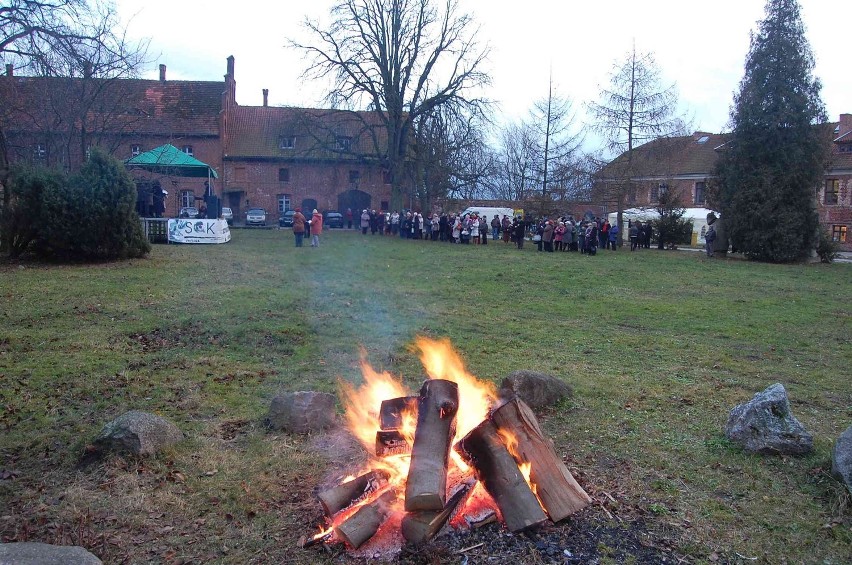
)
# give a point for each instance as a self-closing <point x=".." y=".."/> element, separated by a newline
<point x="525" y="467"/>
<point x="476" y="397"/>
<point x="363" y="404"/>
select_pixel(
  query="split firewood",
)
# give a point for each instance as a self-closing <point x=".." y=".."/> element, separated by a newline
<point x="392" y="411"/>
<point x="364" y="524"/>
<point x="556" y="488"/>
<point x="391" y="442"/>
<point x="336" y="499"/>
<point x="483" y="450"/>
<point x="476" y="521"/>
<point x="426" y="487"/>
<point x="422" y="526"/>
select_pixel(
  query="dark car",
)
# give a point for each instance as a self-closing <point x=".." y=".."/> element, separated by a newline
<point x="286" y="219"/>
<point x="333" y="220"/>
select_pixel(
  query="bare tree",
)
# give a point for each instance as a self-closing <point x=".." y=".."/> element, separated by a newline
<point x="73" y="39"/>
<point x="635" y="109"/>
<point x="517" y="170"/>
<point x="402" y="59"/>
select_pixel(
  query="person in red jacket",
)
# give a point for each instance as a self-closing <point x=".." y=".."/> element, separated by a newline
<point x="299" y="226"/>
<point x="316" y="228"/>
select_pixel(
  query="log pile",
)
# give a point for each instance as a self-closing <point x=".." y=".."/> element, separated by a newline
<point x="499" y="451"/>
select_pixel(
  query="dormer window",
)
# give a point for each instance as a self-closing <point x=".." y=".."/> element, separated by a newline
<point x="287" y="142"/>
<point x="344" y="143"/>
<point x="135" y="150"/>
<point x="188" y="150"/>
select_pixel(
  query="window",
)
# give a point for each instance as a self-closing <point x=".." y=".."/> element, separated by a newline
<point x="283" y="175"/>
<point x="832" y="191"/>
<point x="703" y="139"/>
<point x="631" y="196"/>
<point x="845" y="147"/>
<point x="39" y="151"/>
<point x="700" y="197"/>
<point x="344" y="143"/>
<point x="187" y="149"/>
<point x="385" y="205"/>
<point x="187" y="198"/>
<point x="135" y="150"/>
<point x="838" y="233"/>
<point x="354" y="176"/>
<point x="657" y="191"/>
<point x="287" y="142"/>
<point x="283" y="203"/>
<point x="386" y="177"/>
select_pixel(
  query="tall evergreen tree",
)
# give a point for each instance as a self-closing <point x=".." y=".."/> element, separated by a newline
<point x="776" y="155"/>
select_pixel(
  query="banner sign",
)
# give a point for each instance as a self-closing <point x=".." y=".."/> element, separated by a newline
<point x="199" y="231"/>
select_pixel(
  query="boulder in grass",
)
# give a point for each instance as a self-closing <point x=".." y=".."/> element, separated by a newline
<point x="138" y="433"/>
<point x="766" y="425"/>
<point x="841" y="458"/>
<point x="536" y="389"/>
<point x="31" y="553"/>
<point x="302" y="412"/>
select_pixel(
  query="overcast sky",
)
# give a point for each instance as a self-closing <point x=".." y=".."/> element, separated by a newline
<point x="699" y="46"/>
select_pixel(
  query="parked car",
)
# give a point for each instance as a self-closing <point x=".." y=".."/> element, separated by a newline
<point x="256" y="217"/>
<point x="332" y="219"/>
<point x="188" y="212"/>
<point x="228" y="215"/>
<point x="286" y="219"/>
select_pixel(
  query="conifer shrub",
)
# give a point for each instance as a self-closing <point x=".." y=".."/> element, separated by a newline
<point x="21" y="219"/>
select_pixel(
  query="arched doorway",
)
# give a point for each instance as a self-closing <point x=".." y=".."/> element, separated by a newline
<point x="356" y="200"/>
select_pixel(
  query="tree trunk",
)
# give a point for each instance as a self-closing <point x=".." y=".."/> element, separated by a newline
<point x="483" y="450"/>
<point x="556" y="488"/>
<point x="426" y="488"/>
<point x="363" y="525"/>
<point x="336" y="499"/>
<point x="420" y="527"/>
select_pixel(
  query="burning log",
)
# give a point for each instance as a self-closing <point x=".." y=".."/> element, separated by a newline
<point x="483" y="450"/>
<point x="391" y="442"/>
<point x="336" y="499"/>
<point x="556" y="488"/>
<point x="420" y="527"/>
<point x="426" y="487"/>
<point x="362" y="525"/>
<point x="392" y="410"/>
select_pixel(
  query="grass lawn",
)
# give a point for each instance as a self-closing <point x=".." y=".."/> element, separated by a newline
<point x="659" y="346"/>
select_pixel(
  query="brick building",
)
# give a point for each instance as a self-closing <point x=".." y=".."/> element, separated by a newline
<point x="270" y="157"/>
<point x="685" y="164"/>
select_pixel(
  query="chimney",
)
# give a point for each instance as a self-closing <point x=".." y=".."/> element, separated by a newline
<point x="845" y="119"/>
<point x="265" y="97"/>
<point x="10" y="70"/>
<point x="162" y="73"/>
<point x="231" y="66"/>
<point x="87" y="69"/>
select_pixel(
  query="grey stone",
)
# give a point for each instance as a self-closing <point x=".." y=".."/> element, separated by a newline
<point x="138" y="433"/>
<point x="536" y="389"/>
<point x="32" y="553"/>
<point x="302" y="412"/>
<point x="841" y="458"/>
<point x="766" y="425"/>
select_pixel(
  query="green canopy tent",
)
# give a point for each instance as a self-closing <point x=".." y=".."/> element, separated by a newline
<point x="168" y="159"/>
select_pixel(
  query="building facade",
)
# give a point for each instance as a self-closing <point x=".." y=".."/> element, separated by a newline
<point x="686" y="165"/>
<point x="270" y="157"/>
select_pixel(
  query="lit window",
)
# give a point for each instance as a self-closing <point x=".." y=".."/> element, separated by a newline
<point x="287" y="142"/>
<point x="344" y="143"/>
<point x="283" y="203"/>
<point x="135" y="150"/>
<point x="700" y="197"/>
<point x="838" y="233"/>
<point x="832" y="192"/>
<point x="188" y="150"/>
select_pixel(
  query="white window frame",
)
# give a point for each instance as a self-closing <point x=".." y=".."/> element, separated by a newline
<point x="284" y="203"/>
<point x="187" y="198"/>
<point x="135" y="150"/>
<point x="287" y="142"/>
<point x="188" y="150"/>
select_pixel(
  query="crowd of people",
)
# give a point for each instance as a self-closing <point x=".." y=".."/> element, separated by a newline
<point x="562" y="234"/>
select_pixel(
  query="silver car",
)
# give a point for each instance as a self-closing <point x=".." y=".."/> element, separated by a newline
<point x="228" y="215"/>
<point x="256" y="217"/>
